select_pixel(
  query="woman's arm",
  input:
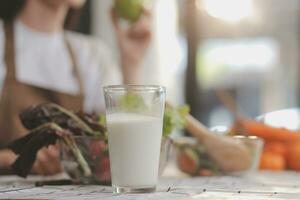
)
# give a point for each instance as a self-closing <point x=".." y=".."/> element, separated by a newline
<point x="133" y="43"/>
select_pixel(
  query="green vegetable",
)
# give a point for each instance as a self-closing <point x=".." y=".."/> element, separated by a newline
<point x="102" y="120"/>
<point x="35" y="116"/>
<point x="174" y="118"/>
<point x="71" y="144"/>
<point x="130" y="10"/>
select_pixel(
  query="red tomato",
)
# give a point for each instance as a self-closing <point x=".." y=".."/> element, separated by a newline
<point x="102" y="170"/>
<point x="187" y="164"/>
<point x="97" y="147"/>
<point x="205" y="172"/>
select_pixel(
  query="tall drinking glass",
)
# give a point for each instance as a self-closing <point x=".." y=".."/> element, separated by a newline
<point x="134" y="116"/>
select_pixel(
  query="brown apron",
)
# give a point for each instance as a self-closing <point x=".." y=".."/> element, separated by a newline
<point x="17" y="96"/>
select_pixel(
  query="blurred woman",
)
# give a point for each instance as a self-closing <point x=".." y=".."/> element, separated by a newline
<point x="40" y="62"/>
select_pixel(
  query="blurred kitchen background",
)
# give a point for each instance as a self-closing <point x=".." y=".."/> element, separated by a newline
<point x="249" y="48"/>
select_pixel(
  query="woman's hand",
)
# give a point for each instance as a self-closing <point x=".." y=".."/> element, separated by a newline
<point x="47" y="161"/>
<point x="133" y="43"/>
<point x="7" y="157"/>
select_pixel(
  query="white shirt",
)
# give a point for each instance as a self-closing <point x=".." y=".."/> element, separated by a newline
<point x="42" y="59"/>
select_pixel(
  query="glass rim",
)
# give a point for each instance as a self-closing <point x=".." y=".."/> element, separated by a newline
<point x="137" y="88"/>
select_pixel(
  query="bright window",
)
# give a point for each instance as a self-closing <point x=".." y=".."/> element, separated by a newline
<point x="221" y="59"/>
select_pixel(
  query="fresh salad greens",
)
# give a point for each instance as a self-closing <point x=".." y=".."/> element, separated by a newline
<point x="174" y="118"/>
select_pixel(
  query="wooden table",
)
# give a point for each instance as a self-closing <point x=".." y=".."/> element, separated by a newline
<point x="262" y="185"/>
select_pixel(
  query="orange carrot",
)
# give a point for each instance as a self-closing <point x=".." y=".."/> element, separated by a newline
<point x="293" y="156"/>
<point x="276" y="148"/>
<point x="269" y="133"/>
<point x="270" y="161"/>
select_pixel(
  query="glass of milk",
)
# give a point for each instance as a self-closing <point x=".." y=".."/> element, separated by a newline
<point x="134" y="117"/>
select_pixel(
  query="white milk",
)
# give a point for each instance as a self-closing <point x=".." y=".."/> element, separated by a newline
<point x="134" y="149"/>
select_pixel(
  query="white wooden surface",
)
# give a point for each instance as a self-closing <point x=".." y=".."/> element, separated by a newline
<point x="263" y="185"/>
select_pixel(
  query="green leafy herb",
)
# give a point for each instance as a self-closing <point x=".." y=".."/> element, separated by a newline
<point x="102" y="120"/>
<point x="35" y="116"/>
<point x="174" y="118"/>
